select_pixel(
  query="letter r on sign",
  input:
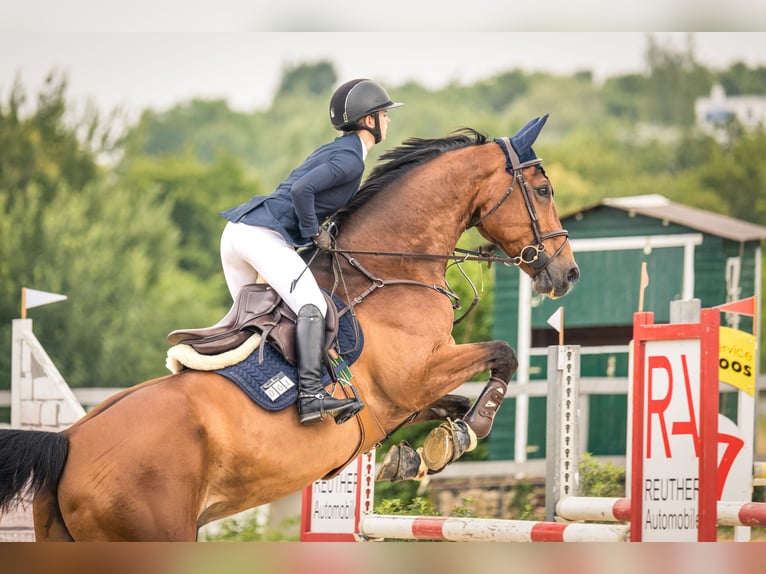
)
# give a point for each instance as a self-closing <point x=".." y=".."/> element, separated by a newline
<point x="657" y="406"/>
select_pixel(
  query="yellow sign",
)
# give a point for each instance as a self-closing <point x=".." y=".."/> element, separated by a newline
<point x="736" y="359"/>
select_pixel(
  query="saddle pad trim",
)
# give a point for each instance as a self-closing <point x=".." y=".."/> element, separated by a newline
<point x="182" y="356"/>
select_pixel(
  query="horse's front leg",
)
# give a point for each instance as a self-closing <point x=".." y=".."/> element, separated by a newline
<point x="449" y="367"/>
<point x="463" y="362"/>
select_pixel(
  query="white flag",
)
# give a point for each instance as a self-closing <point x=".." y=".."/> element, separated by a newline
<point x="35" y="298"/>
<point x="555" y="319"/>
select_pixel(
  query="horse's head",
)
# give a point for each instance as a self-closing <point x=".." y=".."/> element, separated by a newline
<point x="518" y="214"/>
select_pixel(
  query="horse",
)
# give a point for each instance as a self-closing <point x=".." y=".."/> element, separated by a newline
<point x="160" y="459"/>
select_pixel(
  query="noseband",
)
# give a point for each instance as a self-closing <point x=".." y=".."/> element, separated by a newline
<point x="534" y="254"/>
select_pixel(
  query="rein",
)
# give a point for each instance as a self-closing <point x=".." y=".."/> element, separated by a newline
<point x="480" y="255"/>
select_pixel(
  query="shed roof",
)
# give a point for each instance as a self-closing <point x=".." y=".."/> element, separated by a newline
<point x="659" y="207"/>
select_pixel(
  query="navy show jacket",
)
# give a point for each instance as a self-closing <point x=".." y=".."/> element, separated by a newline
<point x="324" y="183"/>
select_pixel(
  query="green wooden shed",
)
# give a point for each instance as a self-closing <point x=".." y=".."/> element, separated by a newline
<point x="689" y="253"/>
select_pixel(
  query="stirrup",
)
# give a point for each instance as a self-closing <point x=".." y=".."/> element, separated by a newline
<point x="342" y="412"/>
<point x="357" y="405"/>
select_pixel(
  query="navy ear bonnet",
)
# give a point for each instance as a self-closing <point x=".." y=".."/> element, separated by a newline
<point x="525" y="137"/>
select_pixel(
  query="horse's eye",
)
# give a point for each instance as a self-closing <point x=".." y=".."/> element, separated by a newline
<point x="544" y="191"/>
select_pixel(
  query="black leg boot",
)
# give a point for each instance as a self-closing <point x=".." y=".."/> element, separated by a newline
<point x="314" y="403"/>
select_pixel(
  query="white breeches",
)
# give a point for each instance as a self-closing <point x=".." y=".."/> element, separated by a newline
<point x="249" y="252"/>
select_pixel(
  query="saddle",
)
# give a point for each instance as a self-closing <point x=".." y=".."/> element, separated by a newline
<point x="256" y="309"/>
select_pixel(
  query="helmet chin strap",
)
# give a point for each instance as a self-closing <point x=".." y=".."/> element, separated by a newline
<point x="374" y="130"/>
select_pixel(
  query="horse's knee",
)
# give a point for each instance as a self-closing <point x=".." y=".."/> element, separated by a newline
<point x="506" y="362"/>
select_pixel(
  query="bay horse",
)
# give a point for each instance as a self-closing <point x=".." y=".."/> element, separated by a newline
<point x="158" y="460"/>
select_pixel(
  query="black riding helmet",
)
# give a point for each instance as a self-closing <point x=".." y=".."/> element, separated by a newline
<point x="356" y="99"/>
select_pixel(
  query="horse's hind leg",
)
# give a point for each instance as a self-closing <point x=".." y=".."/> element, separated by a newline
<point x="449" y="406"/>
<point x="49" y="523"/>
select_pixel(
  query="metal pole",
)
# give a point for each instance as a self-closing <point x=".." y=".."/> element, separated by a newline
<point x="522" y="374"/>
<point x="562" y="441"/>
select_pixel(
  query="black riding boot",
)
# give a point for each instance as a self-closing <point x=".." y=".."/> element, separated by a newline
<point x="314" y="403"/>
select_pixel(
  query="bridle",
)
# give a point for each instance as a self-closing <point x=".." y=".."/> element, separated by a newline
<point x="532" y="255"/>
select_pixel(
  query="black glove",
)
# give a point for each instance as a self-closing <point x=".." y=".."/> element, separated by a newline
<point x="323" y="239"/>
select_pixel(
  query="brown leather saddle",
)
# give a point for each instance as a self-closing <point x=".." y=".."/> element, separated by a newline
<point x="257" y="309"/>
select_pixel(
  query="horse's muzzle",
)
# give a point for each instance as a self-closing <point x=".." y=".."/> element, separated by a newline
<point x="555" y="282"/>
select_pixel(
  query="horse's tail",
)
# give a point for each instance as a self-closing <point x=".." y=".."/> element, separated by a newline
<point x="29" y="458"/>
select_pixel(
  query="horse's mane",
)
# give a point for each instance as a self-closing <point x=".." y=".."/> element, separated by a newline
<point x="411" y="153"/>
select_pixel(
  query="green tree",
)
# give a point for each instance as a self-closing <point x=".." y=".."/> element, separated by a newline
<point x="317" y="79"/>
<point x="115" y="253"/>
<point x="625" y="96"/>
<point x="197" y="193"/>
<point x="40" y="154"/>
<point x="500" y="91"/>
<point x="738" y="175"/>
<point x="675" y="81"/>
<point x="204" y="128"/>
<point x="115" y="256"/>
<point x="740" y="79"/>
<point x="39" y="149"/>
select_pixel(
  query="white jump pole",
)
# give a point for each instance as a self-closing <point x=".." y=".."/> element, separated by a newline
<point x="618" y="510"/>
<point x="487" y="530"/>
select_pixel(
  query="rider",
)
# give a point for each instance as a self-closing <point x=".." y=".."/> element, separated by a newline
<point x="261" y="236"/>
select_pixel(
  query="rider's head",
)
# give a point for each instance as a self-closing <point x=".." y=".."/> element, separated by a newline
<point x="356" y="100"/>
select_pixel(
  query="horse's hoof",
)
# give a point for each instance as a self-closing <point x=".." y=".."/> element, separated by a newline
<point x="447" y="443"/>
<point x="402" y="462"/>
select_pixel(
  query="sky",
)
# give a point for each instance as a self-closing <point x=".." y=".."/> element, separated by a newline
<point x="135" y="70"/>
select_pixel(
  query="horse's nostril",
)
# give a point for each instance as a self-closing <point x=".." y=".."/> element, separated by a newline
<point x="573" y="275"/>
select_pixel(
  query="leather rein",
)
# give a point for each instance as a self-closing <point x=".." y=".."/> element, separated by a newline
<point x="533" y="255"/>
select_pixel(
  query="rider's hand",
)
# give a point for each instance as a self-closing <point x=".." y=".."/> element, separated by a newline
<point x="323" y="239"/>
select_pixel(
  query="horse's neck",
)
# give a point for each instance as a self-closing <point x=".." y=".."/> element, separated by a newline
<point x="425" y="212"/>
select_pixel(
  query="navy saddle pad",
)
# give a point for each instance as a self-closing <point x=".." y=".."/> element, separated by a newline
<point x="273" y="384"/>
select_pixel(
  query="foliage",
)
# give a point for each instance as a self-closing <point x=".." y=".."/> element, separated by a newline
<point x="418" y="506"/>
<point x="521" y="507"/>
<point x="600" y="479"/>
<point x="737" y="167"/>
<point x="474" y="284"/>
<point x="36" y="151"/>
<point x="114" y="252"/>
<point x="422" y="507"/>
<point x="675" y="80"/>
<point x="252" y="528"/>
<point x="317" y="79"/>
<point x="199" y="128"/>
<point x="196" y="192"/>
<point x="740" y="79"/>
